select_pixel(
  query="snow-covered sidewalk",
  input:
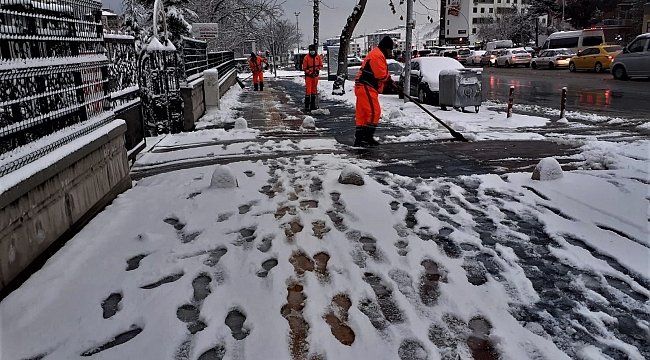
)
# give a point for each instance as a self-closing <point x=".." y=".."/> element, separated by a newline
<point x="292" y="264"/>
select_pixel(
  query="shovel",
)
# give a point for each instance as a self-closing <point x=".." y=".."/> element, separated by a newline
<point x="241" y="83"/>
<point x="458" y="136"/>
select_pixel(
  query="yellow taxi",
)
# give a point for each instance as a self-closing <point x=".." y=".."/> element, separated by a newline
<point x="597" y="58"/>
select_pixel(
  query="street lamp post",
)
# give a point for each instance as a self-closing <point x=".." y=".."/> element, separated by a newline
<point x="297" y="30"/>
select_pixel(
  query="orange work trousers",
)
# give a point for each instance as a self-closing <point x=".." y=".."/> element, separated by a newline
<point x="368" y="110"/>
<point x="258" y="77"/>
<point x="311" y="85"/>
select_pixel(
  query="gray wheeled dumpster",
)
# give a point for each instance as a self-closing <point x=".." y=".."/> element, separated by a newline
<point x="460" y="88"/>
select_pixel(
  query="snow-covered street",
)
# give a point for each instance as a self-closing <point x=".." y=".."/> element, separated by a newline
<point x="292" y="264"/>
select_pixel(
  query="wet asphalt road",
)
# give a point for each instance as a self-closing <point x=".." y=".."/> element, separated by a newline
<point x="587" y="91"/>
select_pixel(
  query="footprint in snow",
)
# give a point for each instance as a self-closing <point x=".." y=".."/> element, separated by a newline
<point x="111" y="305"/>
<point x="267" y="266"/>
<point x="235" y="321"/>
<point x="337" y="318"/>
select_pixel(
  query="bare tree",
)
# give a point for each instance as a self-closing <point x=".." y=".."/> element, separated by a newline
<point x="344" y="45"/>
<point x="239" y="20"/>
<point x="278" y="36"/>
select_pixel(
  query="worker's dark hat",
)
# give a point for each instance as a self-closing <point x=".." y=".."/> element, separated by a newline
<point x="312" y="47"/>
<point x="386" y="43"/>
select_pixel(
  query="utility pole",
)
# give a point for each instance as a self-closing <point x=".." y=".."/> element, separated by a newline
<point x="316" y="22"/>
<point x="409" y="39"/>
<point x="297" y="30"/>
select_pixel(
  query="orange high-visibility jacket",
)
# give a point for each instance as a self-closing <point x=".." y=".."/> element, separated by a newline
<point x="310" y="65"/>
<point x="374" y="71"/>
<point x="256" y="66"/>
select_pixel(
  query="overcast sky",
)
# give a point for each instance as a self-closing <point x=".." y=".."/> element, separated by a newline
<point x="334" y="13"/>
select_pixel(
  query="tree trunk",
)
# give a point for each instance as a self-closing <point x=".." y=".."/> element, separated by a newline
<point x="316" y="21"/>
<point x="344" y="45"/>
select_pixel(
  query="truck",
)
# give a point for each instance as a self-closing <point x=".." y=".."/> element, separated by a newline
<point x="498" y="44"/>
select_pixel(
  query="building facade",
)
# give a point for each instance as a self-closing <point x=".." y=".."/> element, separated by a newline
<point x="111" y="21"/>
<point x="460" y="19"/>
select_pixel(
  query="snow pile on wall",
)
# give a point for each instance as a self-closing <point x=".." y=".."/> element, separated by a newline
<point x="547" y="169"/>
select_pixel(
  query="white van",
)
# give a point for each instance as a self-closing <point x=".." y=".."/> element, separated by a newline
<point x="498" y="44"/>
<point x="574" y="40"/>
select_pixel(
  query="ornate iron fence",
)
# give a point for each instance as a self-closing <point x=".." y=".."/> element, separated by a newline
<point x="53" y="71"/>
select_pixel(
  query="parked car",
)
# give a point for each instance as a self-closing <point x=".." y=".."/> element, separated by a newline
<point x="354" y="61"/>
<point x="513" y="57"/>
<point x="463" y="55"/>
<point x="597" y="58"/>
<point x="395" y="68"/>
<point x="634" y="60"/>
<point x="475" y="57"/>
<point x="450" y="54"/>
<point x="424" y="77"/>
<point x="489" y="58"/>
<point x="552" y="59"/>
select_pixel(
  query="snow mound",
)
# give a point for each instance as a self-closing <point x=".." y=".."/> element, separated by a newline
<point x="352" y="175"/>
<point x="563" y="121"/>
<point x="394" y="114"/>
<point x="320" y="112"/>
<point x="223" y="177"/>
<point x="547" y="169"/>
<point x="309" y="123"/>
<point x="241" y="124"/>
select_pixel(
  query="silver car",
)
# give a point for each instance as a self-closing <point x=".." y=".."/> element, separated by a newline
<point x="514" y="57"/>
<point x="634" y="60"/>
<point x="552" y="59"/>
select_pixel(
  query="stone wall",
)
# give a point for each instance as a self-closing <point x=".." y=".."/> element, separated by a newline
<point x="60" y="199"/>
<point x="193" y="95"/>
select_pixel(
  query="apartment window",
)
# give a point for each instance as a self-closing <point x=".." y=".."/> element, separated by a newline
<point x="499" y="1"/>
<point x="473" y="30"/>
<point x="447" y="31"/>
<point x="515" y="1"/>
<point x="507" y="1"/>
<point x="474" y="11"/>
<point x="491" y="10"/>
<point x="482" y="10"/>
<point x="447" y="22"/>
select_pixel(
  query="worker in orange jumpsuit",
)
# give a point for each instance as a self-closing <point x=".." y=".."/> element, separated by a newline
<point x="370" y="82"/>
<point x="255" y="64"/>
<point x="311" y="65"/>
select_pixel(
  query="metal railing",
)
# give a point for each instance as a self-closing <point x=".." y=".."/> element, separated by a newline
<point x="223" y="61"/>
<point x="195" y="57"/>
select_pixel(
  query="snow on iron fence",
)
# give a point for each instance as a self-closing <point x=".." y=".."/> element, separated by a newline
<point x="224" y="61"/>
<point x="195" y="58"/>
<point x="53" y="76"/>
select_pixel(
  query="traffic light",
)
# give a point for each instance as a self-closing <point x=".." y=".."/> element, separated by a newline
<point x="267" y="53"/>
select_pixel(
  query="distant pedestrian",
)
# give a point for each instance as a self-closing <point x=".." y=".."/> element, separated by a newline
<point x="311" y="65"/>
<point x="370" y="82"/>
<point x="255" y="64"/>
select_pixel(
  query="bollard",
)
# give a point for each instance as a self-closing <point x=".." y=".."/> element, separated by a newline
<point x="563" y="103"/>
<point x="511" y="101"/>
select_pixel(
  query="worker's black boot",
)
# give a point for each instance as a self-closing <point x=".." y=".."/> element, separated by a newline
<point x="307" y="100"/>
<point x="369" y="135"/>
<point x="360" y="136"/>
<point x="312" y="102"/>
<point x="254" y="87"/>
<point x="262" y="86"/>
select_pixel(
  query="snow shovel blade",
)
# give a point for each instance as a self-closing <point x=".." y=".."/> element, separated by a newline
<point x="458" y="136"/>
<point x="241" y="84"/>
